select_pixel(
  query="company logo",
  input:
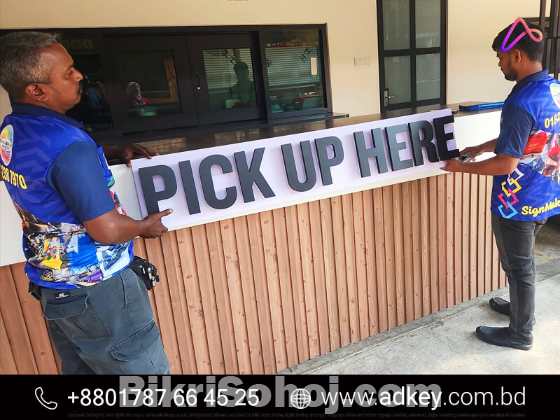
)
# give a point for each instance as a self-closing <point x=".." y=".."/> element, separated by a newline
<point x="61" y="295"/>
<point x="6" y="143"/>
<point x="535" y="211"/>
<point x="555" y="92"/>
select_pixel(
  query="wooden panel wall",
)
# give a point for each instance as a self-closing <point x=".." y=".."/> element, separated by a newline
<point x="260" y="293"/>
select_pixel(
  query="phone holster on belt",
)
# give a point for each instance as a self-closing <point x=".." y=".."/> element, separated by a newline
<point x="146" y="271"/>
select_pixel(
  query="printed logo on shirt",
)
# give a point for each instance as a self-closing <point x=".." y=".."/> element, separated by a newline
<point x="6" y="143"/>
<point x="61" y="295"/>
<point x="47" y="275"/>
<point x="555" y="92"/>
<point x="535" y="211"/>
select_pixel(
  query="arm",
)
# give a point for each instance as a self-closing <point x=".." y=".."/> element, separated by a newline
<point x="77" y="176"/>
<point x="115" y="228"/>
<point x="517" y="124"/>
<point x="501" y="164"/>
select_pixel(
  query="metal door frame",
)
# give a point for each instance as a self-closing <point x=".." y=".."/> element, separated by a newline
<point x="412" y="52"/>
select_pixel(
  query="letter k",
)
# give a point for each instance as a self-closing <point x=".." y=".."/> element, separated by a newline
<point x="411" y="400"/>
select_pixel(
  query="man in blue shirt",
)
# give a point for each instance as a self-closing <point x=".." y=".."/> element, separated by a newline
<point x="77" y="238"/>
<point x="526" y="188"/>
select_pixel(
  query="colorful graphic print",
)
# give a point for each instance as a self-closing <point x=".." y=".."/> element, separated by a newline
<point x="537" y="141"/>
<point x="508" y="197"/>
<point x="64" y="252"/>
<point x="6" y="143"/>
<point x="540" y="160"/>
<point x="542" y="154"/>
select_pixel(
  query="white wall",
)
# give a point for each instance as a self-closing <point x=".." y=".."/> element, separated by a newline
<point x="473" y="74"/>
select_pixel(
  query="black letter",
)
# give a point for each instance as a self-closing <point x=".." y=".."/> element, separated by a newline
<point x="426" y="143"/>
<point x="188" y="186"/>
<point x="291" y="171"/>
<point x="325" y="163"/>
<point x="151" y="196"/>
<point x="377" y="151"/>
<point x="394" y="147"/>
<point x="208" y="183"/>
<point x="248" y="176"/>
<point x="442" y="138"/>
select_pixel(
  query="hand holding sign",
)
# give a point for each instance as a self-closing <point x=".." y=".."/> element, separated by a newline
<point x="472" y="152"/>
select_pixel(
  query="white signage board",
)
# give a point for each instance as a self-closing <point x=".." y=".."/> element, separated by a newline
<point x="206" y="185"/>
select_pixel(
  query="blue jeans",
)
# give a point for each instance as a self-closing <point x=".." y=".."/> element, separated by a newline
<point x="108" y="328"/>
<point x="516" y="241"/>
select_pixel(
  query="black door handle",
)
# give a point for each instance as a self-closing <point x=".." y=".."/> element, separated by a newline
<point x="198" y="87"/>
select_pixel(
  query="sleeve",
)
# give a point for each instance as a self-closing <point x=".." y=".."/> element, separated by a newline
<point x="517" y="124"/>
<point x="77" y="176"/>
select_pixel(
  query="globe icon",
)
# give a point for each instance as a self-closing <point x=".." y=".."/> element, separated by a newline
<point x="300" y="398"/>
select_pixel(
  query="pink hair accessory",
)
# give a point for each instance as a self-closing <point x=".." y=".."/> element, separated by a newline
<point x="527" y="30"/>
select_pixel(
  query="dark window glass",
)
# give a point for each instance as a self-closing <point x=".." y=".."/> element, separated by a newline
<point x="396" y="25"/>
<point x="397" y="78"/>
<point x="229" y="75"/>
<point x="149" y="83"/>
<point x="93" y="110"/>
<point x="428" y="24"/>
<point x="295" y="77"/>
<point x="428" y="79"/>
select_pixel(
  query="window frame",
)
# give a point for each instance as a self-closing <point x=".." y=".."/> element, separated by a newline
<point x="551" y="28"/>
<point x="412" y="52"/>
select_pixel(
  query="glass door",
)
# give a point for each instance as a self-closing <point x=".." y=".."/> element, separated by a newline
<point x="226" y="79"/>
<point x="145" y="86"/>
<point x="411" y="53"/>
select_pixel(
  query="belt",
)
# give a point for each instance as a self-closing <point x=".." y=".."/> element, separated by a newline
<point x="47" y="293"/>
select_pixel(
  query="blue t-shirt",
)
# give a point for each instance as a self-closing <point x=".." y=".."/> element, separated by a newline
<point x="529" y="131"/>
<point x="57" y="177"/>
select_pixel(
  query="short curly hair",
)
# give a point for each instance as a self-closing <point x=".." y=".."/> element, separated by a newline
<point x="20" y="62"/>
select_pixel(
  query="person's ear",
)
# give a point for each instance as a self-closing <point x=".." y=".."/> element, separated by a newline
<point x="516" y="55"/>
<point x="35" y="92"/>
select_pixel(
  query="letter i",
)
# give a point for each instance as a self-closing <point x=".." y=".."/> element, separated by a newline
<point x="153" y="386"/>
<point x="211" y="396"/>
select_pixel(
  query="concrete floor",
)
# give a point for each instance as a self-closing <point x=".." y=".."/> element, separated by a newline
<point x="445" y="342"/>
<point x="547" y="249"/>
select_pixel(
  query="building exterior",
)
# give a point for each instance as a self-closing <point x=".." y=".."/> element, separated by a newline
<point x="265" y="290"/>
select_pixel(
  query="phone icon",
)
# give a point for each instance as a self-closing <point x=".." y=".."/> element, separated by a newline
<point x="51" y="405"/>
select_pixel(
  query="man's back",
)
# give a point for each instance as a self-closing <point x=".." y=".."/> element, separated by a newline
<point x="42" y="147"/>
<point x="530" y="131"/>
